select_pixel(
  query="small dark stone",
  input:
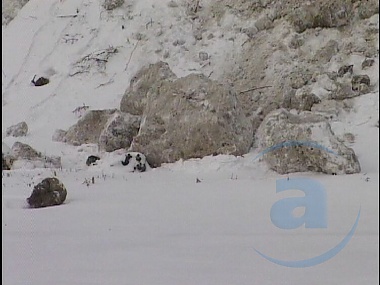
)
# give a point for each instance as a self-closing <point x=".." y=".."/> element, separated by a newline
<point x="345" y="69"/>
<point x="40" y="81"/>
<point x="127" y="159"/>
<point x="140" y="167"/>
<point x="368" y="62"/>
<point x="359" y="80"/>
<point x="92" y="159"/>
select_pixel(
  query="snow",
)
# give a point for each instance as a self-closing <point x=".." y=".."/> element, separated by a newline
<point x="160" y="226"/>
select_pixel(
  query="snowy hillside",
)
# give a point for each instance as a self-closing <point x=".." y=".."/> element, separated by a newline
<point x="196" y="221"/>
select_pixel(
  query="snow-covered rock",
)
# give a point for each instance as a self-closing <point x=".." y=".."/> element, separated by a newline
<point x="312" y="146"/>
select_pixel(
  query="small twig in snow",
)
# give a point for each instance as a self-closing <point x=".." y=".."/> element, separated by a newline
<point x="67" y="16"/>
<point x="105" y="83"/>
<point x="130" y="56"/>
<point x="255" y="88"/>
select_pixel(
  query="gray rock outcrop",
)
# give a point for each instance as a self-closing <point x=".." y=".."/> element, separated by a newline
<point x="24" y="153"/>
<point x="18" y="130"/>
<point x="313" y="146"/>
<point x="188" y="117"/>
<point x="111" y="129"/>
<point x="49" y="192"/>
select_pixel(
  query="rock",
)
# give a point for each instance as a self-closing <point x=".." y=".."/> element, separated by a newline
<point x="92" y="160"/>
<point x="345" y="69"/>
<point x="281" y="126"/>
<point x="302" y="100"/>
<point x="322" y="14"/>
<point x="112" y="4"/>
<point x="203" y="56"/>
<point x="89" y="128"/>
<point x="330" y="109"/>
<point x="59" y="135"/>
<point x="325" y="54"/>
<point x="24" y="153"/>
<point x="41" y="81"/>
<point x="343" y="91"/>
<point x="368" y="62"/>
<point x="7" y="157"/>
<point x="110" y="129"/>
<point x="361" y="83"/>
<point x="119" y="131"/>
<point x="134" y="99"/>
<point x="189" y="117"/>
<point x="49" y="192"/>
<point x="299" y="78"/>
<point x="18" y="130"/>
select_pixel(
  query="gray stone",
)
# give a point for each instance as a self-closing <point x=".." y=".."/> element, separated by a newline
<point x="313" y="130"/>
<point x="18" y="130"/>
<point x="303" y="99"/>
<point x="361" y="83"/>
<point x="24" y="152"/>
<point x="7" y="157"/>
<point x="112" y="4"/>
<point x="89" y="128"/>
<point x="322" y="14"/>
<point x="325" y="54"/>
<point x="119" y="131"/>
<point x="345" y="69"/>
<point x="135" y="97"/>
<point x="368" y="62"/>
<point x="49" y="192"/>
<point x="190" y="117"/>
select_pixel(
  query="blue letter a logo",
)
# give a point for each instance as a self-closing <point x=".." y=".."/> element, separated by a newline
<point x="314" y="203"/>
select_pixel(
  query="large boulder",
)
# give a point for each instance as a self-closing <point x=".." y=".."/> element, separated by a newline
<point x="26" y="156"/>
<point x="308" y="144"/>
<point x="18" y="130"/>
<point x="49" y="192"/>
<point x="188" y="117"/>
<point x="150" y="77"/>
<point x="111" y="129"/>
<point x="119" y="131"/>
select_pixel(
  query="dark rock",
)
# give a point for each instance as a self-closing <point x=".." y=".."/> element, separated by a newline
<point x="49" y="192"/>
<point x="361" y="83"/>
<point x="345" y="69"/>
<point x="368" y="62"/>
<point x="40" y="81"/>
<point x="92" y="159"/>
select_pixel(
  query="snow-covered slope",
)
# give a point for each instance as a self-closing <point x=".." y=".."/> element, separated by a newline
<point x="159" y="227"/>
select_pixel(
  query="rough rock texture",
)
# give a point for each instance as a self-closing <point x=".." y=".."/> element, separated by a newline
<point x="111" y="129"/>
<point x="7" y="157"/>
<point x="361" y="83"/>
<point x="112" y="4"/>
<point x="189" y="117"/>
<point x="10" y="8"/>
<point x="25" y="153"/>
<point x="49" y="192"/>
<point x="150" y="77"/>
<point x="18" y="130"/>
<point x="282" y="126"/>
<point x="303" y="100"/>
<point x="119" y="131"/>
